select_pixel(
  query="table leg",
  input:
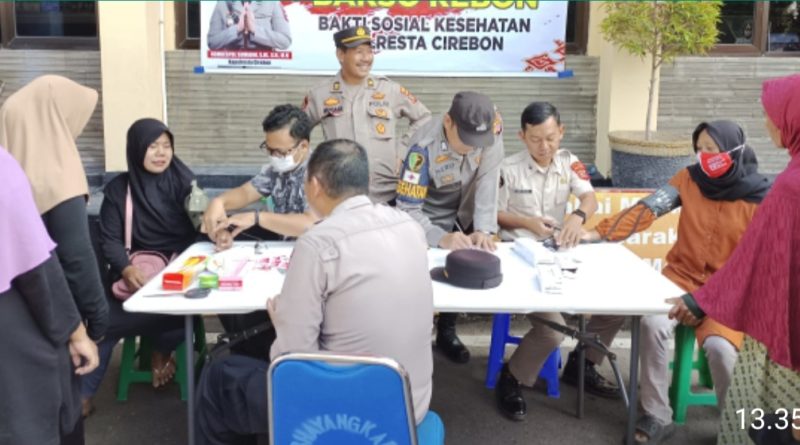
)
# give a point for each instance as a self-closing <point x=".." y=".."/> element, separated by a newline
<point x="634" y="381"/>
<point x="189" y="339"/>
<point x="581" y="366"/>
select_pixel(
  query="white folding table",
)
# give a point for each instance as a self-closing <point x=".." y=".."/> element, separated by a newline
<point x="610" y="280"/>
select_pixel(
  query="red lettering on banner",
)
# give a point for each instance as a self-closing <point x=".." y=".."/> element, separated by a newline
<point x="250" y="54"/>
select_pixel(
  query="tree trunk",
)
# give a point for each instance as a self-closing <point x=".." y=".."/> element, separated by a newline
<point x="653" y="67"/>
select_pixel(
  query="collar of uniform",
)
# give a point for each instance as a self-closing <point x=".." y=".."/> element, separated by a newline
<point x="474" y="158"/>
<point x="553" y="167"/>
<point x="337" y="86"/>
<point x="351" y="203"/>
<point x="442" y="145"/>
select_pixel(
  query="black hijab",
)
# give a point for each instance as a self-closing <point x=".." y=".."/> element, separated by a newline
<point x="742" y="181"/>
<point x="159" y="219"/>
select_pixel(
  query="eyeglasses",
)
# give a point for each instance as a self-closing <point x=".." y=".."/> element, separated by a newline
<point x="279" y="152"/>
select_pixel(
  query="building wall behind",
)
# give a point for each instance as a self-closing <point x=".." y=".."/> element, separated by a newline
<point x="216" y="118"/>
<point x="18" y="67"/>
<point x="697" y="89"/>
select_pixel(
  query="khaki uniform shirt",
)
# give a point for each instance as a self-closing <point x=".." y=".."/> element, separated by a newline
<point x="527" y="189"/>
<point x="272" y="28"/>
<point x="438" y="185"/>
<point x="358" y="283"/>
<point x="369" y="118"/>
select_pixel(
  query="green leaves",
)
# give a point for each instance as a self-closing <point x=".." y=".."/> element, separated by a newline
<point x="661" y="31"/>
<point x="666" y="29"/>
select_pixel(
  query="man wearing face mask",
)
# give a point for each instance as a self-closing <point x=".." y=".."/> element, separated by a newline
<point x="286" y="142"/>
<point x="718" y="197"/>
<point x="449" y="185"/>
<point x="365" y="108"/>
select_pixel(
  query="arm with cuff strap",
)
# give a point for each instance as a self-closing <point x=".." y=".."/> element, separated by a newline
<point x="641" y="215"/>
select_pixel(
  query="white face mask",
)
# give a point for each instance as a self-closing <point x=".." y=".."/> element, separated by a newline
<point x="284" y="164"/>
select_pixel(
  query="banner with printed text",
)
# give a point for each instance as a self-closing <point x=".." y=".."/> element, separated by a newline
<point x="512" y="38"/>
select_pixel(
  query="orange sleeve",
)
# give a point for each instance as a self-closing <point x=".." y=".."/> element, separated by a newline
<point x="626" y="223"/>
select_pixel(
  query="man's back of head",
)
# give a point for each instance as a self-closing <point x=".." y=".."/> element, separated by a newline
<point x="359" y="280"/>
<point x="338" y="169"/>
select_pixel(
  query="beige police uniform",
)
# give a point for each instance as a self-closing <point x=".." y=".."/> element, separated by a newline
<point x="369" y="115"/>
<point x="438" y="185"/>
<point x="528" y="189"/>
<point x="343" y="292"/>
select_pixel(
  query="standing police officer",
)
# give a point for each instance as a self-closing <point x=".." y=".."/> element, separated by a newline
<point x="365" y="108"/>
<point x="449" y="185"/>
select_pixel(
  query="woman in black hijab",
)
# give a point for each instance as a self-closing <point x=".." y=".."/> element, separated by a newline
<point x="158" y="183"/>
<point x="741" y="180"/>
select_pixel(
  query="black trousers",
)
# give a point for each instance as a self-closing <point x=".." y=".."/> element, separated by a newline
<point x="231" y="403"/>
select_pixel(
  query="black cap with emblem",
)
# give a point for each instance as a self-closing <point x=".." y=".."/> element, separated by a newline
<point x="470" y="268"/>
<point x="352" y="37"/>
<point x="474" y="115"/>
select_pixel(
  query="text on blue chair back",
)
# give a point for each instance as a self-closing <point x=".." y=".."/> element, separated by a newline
<point x="327" y="399"/>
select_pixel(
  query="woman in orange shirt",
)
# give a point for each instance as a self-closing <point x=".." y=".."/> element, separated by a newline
<point x="718" y="196"/>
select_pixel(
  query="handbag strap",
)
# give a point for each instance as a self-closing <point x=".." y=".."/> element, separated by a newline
<point x="128" y="219"/>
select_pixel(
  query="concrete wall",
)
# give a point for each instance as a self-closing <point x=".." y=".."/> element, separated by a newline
<point x="216" y="118"/>
<point x="18" y="67"/>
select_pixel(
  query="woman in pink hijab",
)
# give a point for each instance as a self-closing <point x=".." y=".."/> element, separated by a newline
<point x="44" y="346"/>
<point x="758" y="292"/>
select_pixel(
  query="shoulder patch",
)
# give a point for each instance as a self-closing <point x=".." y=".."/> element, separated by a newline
<point x="304" y="107"/>
<point x="412" y="188"/>
<point x="580" y="170"/>
<point x="498" y="122"/>
<point x="404" y="91"/>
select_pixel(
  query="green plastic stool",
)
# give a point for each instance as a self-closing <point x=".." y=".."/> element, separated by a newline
<point x="681" y="396"/>
<point x="130" y="373"/>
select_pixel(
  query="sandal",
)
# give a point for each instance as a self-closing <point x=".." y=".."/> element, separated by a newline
<point x="655" y="431"/>
<point x="163" y="374"/>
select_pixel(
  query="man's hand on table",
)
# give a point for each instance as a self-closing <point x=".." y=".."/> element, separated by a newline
<point x="570" y="234"/>
<point x="483" y="241"/>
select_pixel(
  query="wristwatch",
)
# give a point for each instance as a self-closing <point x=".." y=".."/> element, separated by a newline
<point x="580" y="213"/>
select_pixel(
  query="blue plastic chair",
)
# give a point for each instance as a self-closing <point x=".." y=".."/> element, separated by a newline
<point x="334" y="399"/>
<point x="501" y="336"/>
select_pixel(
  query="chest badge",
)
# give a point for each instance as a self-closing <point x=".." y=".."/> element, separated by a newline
<point x="380" y="128"/>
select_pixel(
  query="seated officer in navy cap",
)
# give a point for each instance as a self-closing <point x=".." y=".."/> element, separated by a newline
<point x="365" y="108"/>
<point x="449" y="185"/>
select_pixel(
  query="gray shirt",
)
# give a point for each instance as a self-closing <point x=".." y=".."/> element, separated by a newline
<point x="286" y="188"/>
<point x="272" y="28"/>
<point x="358" y="283"/>
<point x="438" y="185"/>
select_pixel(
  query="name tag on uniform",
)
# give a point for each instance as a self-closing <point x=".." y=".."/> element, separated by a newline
<point x="521" y="191"/>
